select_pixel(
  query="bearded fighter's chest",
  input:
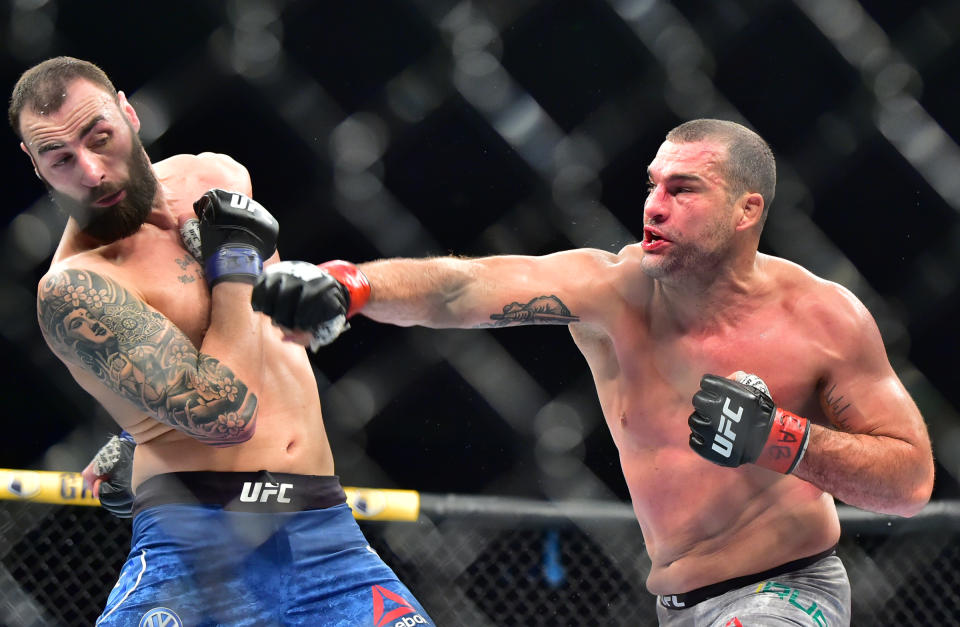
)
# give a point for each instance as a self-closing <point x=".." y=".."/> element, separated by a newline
<point x="171" y="281"/>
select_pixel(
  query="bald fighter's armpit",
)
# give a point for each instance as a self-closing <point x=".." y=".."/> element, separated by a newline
<point x="236" y="235"/>
<point x="299" y="295"/>
<point x="736" y="423"/>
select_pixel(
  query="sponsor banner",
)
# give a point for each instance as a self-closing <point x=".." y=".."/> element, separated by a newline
<point x="41" y="486"/>
<point x="371" y="504"/>
<point x="67" y="488"/>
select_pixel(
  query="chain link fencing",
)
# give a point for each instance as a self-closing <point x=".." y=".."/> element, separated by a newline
<point x="482" y="568"/>
<point x="412" y="128"/>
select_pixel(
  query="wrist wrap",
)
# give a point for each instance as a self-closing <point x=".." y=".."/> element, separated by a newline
<point x="350" y="276"/>
<point x="234" y="262"/>
<point x="786" y="443"/>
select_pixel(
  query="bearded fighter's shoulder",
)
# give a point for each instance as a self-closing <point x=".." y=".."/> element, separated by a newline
<point x="205" y="171"/>
<point x="79" y="271"/>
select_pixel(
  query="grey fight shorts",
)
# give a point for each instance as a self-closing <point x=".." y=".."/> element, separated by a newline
<point x="813" y="595"/>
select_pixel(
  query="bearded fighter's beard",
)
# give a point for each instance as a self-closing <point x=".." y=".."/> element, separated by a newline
<point x="121" y="219"/>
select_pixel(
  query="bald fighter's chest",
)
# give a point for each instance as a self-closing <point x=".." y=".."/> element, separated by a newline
<point x="683" y="360"/>
<point x="660" y="374"/>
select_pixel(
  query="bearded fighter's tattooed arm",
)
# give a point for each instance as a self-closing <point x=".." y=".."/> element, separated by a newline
<point x="95" y="324"/>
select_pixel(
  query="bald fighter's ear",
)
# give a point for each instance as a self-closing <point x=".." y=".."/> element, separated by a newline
<point x="751" y="207"/>
<point x="128" y="110"/>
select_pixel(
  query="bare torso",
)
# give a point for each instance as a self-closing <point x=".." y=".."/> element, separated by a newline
<point x="703" y="523"/>
<point x="154" y="265"/>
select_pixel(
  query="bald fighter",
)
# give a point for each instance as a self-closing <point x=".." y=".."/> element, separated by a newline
<point x="743" y="393"/>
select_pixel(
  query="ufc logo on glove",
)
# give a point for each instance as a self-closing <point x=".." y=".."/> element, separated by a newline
<point x="758" y="432"/>
<point x="723" y="440"/>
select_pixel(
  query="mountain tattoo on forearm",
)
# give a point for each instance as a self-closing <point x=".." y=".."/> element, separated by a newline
<point x="540" y="310"/>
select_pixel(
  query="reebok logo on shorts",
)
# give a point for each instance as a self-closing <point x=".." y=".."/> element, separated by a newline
<point x="392" y="610"/>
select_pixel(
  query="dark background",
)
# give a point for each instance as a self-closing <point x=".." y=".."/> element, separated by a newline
<point x="385" y="128"/>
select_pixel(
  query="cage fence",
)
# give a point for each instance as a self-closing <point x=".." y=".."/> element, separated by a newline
<point x="364" y="115"/>
<point x="476" y="567"/>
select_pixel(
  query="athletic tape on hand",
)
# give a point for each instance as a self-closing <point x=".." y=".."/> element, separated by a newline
<point x="107" y="457"/>
<point x="190" y="236"/>
<point x="753" y="381"/>
<point x="758" y="384"/>
<point x="328" y="331"/>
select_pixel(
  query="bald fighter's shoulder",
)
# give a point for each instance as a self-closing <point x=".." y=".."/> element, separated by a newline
<point x="631" y="254"/>
<point x="625" y="268"/>
<point x="208" y="169"/>
<point x="594" y="257"/>
<point x="593" y="265"/>
<point x="824" y="304"/>
<point x="586" y="261"/>
<point x="788" y="275"/>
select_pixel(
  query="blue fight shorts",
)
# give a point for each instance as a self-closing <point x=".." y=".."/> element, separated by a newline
<point x="252" y="548"/>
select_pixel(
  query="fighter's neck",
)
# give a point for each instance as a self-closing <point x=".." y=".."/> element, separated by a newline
<point x="701" y="304"/>
<point x="74" y="241"/>
<point x="162" y="213"/>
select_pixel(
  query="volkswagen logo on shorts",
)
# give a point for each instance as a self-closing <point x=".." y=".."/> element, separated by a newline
<point x="160" y="617"/>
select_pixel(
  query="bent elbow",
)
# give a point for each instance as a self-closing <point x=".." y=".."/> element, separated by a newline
<point x="232" y="430"/>
<point x="919" y="497"/>
<point x="916" y="496"/>
<point x="232" y="437"/>
<point x="234" y="426"/>
<point x="910" y="509"/>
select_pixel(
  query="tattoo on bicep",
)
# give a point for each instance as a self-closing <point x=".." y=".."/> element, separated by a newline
<point x="540" y="310"/>
<point x="138" y="354"/>
<point x="837" y="404"/>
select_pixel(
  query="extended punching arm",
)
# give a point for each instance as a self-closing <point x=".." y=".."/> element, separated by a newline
<point x="320" y="299"/>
